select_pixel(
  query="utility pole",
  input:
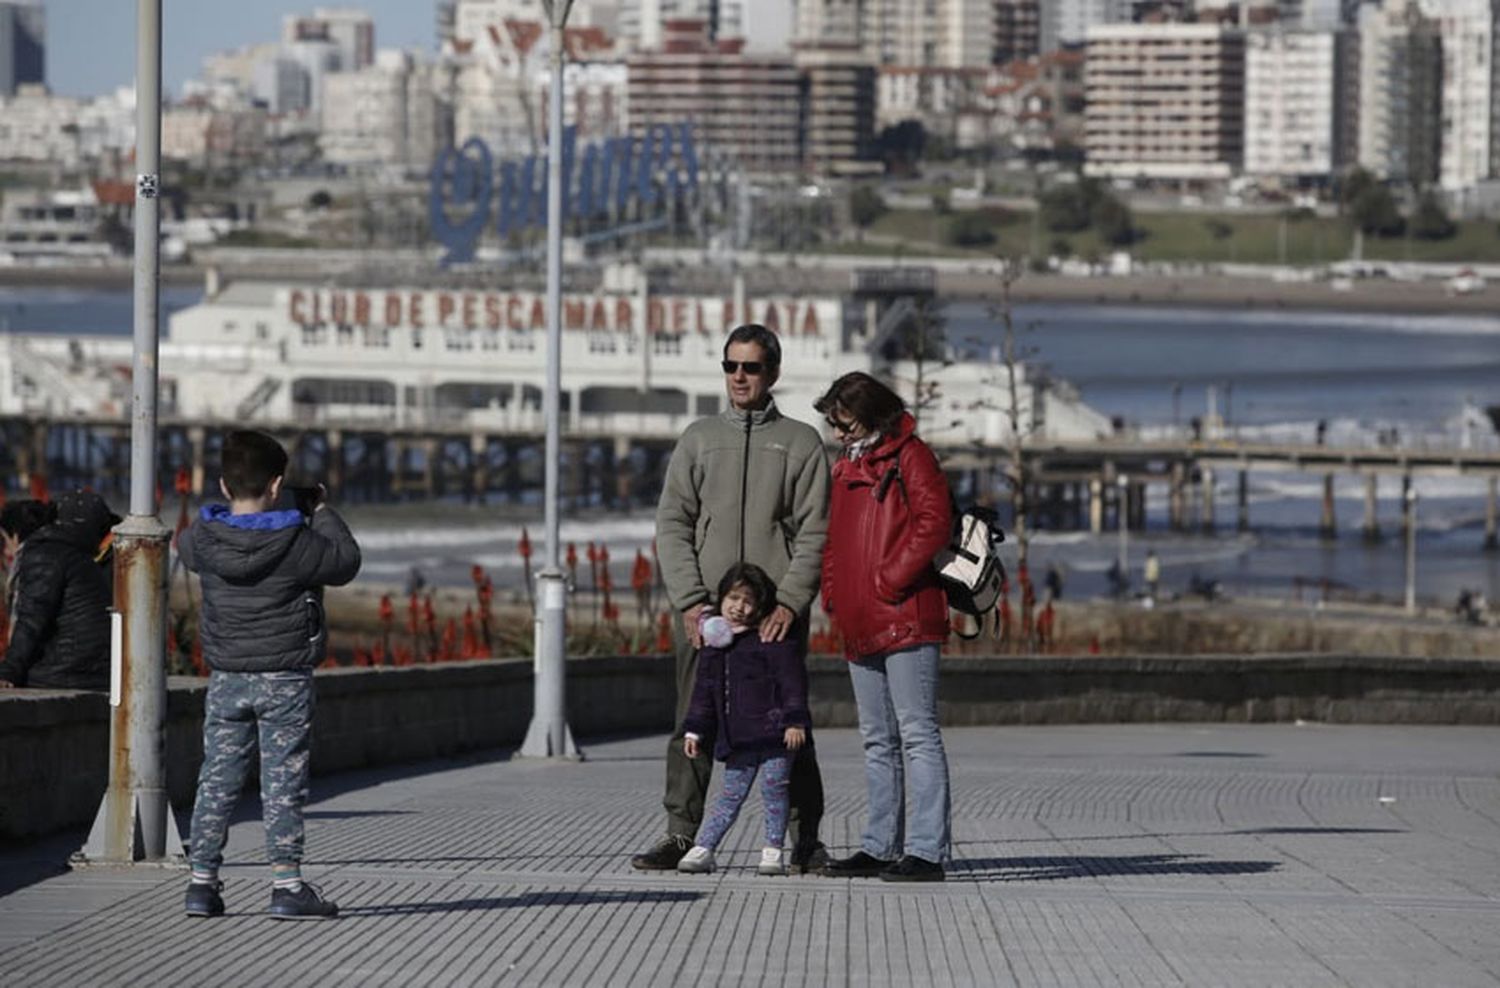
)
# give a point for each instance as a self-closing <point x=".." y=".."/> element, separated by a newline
<point x="135" y="822"/>
<point x="548" y="736"/>
<point x="1122" y="515"/>
<point x="1411" y="550"/>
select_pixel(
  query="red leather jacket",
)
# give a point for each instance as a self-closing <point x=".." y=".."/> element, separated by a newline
<point x="889" y="515"/>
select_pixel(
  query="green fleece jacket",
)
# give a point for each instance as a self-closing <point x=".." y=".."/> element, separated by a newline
<point x="704" y="524"/>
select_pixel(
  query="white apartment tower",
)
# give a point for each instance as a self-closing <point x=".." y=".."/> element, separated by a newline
<point x="949" y="34"/>
<point x="1293" y="126"/>
<point x="1164" y="100"/>
<point x="1466" y="32"/>
<point x="1067" y="22"/>
<point x="1398" y="131"/>
<point x="351" y="31"/>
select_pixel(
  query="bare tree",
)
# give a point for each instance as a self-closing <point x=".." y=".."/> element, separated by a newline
<point x="1016" y="471"/>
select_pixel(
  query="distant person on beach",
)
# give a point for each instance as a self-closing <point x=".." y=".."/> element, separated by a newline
<point x="748" y="485"/>
<point x="1119" y="583"/>
<point x="890" y="515"/>
<point x="749" y="708"/>
<point x="263" y="631"/>
<point x="1053" y="582"/>
<point x="60" y="598"/>
<point x="1152" y="574"/>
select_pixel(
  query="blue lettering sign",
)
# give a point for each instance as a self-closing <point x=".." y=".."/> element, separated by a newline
<point x="600" y="182"/>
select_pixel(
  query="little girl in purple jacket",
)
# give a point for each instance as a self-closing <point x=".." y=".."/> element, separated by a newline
<point x="750" y="704"/>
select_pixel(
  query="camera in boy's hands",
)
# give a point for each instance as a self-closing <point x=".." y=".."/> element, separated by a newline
<point x="308" y="498"/>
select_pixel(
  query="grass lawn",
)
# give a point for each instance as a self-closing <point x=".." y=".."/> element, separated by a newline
<point x="1191" y="237"/>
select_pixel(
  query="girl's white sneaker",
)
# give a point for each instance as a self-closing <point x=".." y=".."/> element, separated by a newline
<point x="772" y="862"/>
<point x="698" y="861"/>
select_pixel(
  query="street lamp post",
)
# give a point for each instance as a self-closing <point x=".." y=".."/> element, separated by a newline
<point x="1122" y="513"/>
<point x="134" y="822"/>
<point x="1411" y="550"/>
<point x="548" y="736"/>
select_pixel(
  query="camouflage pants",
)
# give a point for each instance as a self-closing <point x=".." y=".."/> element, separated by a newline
<point x="273" y="709"/>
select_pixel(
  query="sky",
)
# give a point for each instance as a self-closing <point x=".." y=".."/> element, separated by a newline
<point x="91" y="43"/>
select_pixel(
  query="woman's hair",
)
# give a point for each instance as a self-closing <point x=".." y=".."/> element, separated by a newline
<point x="21" y="518"/>
<point x="754" y="579"/>
<point x="872" y="404"/>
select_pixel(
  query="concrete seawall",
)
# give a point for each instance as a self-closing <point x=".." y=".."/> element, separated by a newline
<point x="53" y="745"/>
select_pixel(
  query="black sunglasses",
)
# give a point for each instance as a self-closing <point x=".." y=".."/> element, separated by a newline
<point x="839" y="426"/>
<point x="751" y="367"/>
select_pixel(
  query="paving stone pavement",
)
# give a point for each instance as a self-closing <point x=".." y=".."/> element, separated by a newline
<point x="1084" y="855"/>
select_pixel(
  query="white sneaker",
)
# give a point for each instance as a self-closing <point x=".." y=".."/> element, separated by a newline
<point x="698" y="861"/>
<point x="772" y="862"/>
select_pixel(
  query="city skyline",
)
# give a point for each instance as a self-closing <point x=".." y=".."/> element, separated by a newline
<point x="77" y="65"/>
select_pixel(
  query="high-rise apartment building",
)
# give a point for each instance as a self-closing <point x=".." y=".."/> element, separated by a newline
<point x="1067" y="22"/>
<point x="1018" y="30"/>
<point x="838" y="118"/>
<point x="351" y="32"/>
<point x="925" y="34"/>
<point x="1293" y="121"/>
<point x="1399" y="104"/>
<point x="384" y="114"/>
<point x="642" y="22"/>
<point x="1165" y="100"/>
<point x="1466" y="32"/>
<point x="23" y="45"/>
<point x="746" y="106"/>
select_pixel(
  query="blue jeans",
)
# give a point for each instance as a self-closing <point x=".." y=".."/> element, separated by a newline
<point x="897" y="697"/>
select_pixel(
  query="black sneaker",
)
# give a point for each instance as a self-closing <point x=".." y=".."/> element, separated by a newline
<point x="305" y="903"/>
<point x="810" y="858"/>
<point x="203" y="899"/>
<point x="913" y="869"/>
<point x="665" y="855"/>
<point x="857" y="865"/>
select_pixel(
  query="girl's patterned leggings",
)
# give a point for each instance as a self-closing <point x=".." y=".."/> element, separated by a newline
<point x="739" y="775"/>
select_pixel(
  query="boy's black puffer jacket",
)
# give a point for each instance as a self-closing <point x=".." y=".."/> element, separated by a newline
<point x="263" y="576"/>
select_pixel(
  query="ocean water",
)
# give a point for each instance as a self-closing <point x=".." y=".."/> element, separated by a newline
<point x="1272" y="375"/>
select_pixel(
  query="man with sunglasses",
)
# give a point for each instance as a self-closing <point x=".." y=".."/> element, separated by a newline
<point x="746" y="485"/>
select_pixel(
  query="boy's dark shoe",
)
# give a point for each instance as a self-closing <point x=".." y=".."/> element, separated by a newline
<point x="203" y="899"/>
<point x="857" y="865"/>
<point x="665" y="855"/>
<point x="810" y="857"/>
<point x="913" y="869"/>
<point x="305" y="903"/>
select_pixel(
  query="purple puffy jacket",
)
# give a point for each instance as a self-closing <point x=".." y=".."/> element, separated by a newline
<point x="747" y="695"/>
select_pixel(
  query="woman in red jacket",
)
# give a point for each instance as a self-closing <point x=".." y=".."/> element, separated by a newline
<point x="889" y="516"/>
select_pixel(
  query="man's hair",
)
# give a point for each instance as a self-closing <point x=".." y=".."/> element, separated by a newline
<point x="20" y="518"/>
<point x="251" y="461"/>
<point x="872" y="404"/>
<point x="754" y="579"/>
<point x="754" y="332"/>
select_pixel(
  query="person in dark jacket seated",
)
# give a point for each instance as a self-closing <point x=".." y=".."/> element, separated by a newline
<point x="263" y="632"/>
<point x="60" y="600"/>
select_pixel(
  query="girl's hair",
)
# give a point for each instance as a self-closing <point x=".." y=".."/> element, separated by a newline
<point x="872" y="404"/>
<point x="754" y="579"/>
<point x="21" y="518"/>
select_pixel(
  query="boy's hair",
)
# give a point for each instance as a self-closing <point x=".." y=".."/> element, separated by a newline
<point x="251" y="461"/>
<point x="21" y="518"/>
<point x="754" y="579"/>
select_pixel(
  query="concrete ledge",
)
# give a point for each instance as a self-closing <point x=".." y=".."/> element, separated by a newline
<point x="54" y="745"/>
